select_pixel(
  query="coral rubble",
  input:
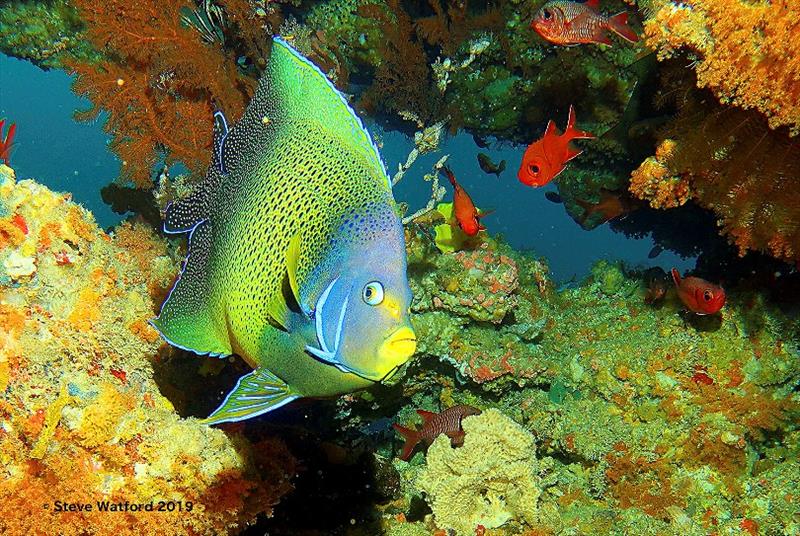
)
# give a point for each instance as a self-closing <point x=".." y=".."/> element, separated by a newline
<point x="82" y="419"/>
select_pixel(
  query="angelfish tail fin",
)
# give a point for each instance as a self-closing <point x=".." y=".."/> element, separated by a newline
<point x="191" y="317"/>
<point x="411" y="437"/>
<point x="619" y="25"/>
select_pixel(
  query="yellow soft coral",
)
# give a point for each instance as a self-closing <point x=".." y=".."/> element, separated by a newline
<point x="489" y="481"/>
<point x="747" y="50"/>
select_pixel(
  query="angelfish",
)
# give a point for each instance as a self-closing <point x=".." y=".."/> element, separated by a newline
<point x="296" y="253"/>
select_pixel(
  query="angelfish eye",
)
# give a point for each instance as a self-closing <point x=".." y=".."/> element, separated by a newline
<point x="707" y="295"/>
<point x="372" y="293"/>
<point x="547" y="14"/>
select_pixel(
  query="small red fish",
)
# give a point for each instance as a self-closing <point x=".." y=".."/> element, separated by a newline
<point x="545" y="158"/>
<point x="611" y="205"/>
<point x="464" y="209"/>
<point x="5" y="144"/>
<point x="447" y="422"/>
<point x="698" y="295"/>
<point x="572" y="23"/>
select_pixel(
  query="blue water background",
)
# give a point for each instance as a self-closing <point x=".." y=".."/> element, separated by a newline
<point x="74" y="157"/>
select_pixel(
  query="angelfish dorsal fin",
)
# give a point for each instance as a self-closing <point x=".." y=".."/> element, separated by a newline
<point x="293" y="89"/>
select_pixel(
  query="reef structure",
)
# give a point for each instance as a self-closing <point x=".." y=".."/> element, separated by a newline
<point x="87" y="441"/>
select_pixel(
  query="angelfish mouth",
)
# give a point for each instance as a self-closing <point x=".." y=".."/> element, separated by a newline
<point x="398" y="347"/>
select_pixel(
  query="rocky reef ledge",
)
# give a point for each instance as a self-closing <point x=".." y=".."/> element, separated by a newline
<point x="83" y="425"/>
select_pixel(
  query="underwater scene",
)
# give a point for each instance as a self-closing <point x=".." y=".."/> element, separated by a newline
<point x="399" y="267"/>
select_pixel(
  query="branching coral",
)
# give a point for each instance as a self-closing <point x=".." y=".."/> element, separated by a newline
<point x="449" y="26"/>
<point x="747" y="50"/>
<point x="653" y="182"/>
<point x="402" y="79"/>
<point x="159" y="83"/>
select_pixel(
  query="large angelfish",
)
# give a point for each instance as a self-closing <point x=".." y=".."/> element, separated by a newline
<point x="296" y="253"/>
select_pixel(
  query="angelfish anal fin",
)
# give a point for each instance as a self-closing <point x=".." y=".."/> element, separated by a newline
<point x="255" y="394"/>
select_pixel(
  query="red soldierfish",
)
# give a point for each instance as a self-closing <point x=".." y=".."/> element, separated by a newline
<point x="546" y="158"/>
<point x="573" y="23"/>
<point x="447" y="422"/>
<point x="464" y="210"/>
<point x="698" y="295"/>
<point x="5" y="144"/>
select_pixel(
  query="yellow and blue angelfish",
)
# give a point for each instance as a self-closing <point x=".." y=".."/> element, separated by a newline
<point x="296" y="253"/>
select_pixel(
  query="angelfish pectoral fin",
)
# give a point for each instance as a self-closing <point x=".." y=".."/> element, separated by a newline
<point x="255" y="394"/>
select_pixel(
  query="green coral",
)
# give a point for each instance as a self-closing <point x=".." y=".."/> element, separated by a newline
<point x="42" y="32"/>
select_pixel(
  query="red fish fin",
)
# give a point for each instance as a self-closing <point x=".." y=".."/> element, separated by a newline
<point x="5" y="145"/>
<point x="572" y="152"/>
<point x="411" y="437"/>
<point x="619" y="25"/>
<point x="572" y="132"/>
<point x="601" y="38"/>
<point x="551" y="128"/>
<point x="484" y="213"/>
<point x="426" y="415"/>
<point x="449" y="174"/>
<point x="594" y="4"/>
<point x="676" y="276"/>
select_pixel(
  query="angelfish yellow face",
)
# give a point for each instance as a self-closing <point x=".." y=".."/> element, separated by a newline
<point x="363" y="327"/>
<point x="390" y="308"/>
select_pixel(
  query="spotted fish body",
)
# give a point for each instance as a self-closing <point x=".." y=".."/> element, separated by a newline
<point x="294" y="236"/>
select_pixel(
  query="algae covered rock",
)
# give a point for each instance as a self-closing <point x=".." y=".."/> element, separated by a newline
<point x="490" y="481"/>
<point x="82" y="419"/>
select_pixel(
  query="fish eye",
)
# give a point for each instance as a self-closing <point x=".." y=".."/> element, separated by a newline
<point x="547" y="14"/>
<point x="707" y="295"/>
<point x="534" y="169"/>
<point x="372" y="293"/>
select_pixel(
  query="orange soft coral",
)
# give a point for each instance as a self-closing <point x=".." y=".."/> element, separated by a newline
<point x="747" y="51"/>
<point x="727" y="160"/>
<point x="655" y="183"/>
<point x="159" y="84"/>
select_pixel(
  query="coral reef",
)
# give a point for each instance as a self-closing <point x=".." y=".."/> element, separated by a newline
<point x="45" y="33"/>
<point x="489" y="481"/>
<point x="82" y="419"/>
<point x="649" y="422"/>
<point x="729" y="161"/>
